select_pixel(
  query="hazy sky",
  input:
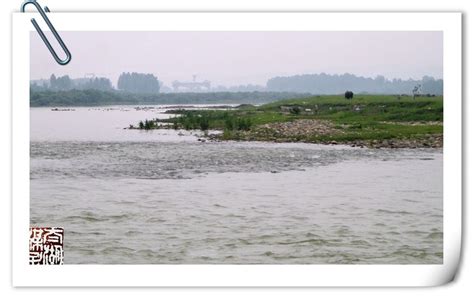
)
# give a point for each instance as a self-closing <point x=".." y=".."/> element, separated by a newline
<point x="232" y="58"/>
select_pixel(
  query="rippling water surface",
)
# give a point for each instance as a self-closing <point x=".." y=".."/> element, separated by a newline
<point x="128" y="196"/>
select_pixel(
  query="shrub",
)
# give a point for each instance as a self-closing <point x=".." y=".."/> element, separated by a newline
<point x="243" y="124"/>
<point x="229" y="124"/>
<point x="175" y="125"/>
<point x="149" y="124"/>
<point x="204" y="123"/>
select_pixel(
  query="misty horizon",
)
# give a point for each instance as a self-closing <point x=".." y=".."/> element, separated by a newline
<point x="198" y="79"/>
<point x="242" y="58"/>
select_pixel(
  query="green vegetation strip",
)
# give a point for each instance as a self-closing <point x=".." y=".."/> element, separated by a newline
<point x="367" y="119"/>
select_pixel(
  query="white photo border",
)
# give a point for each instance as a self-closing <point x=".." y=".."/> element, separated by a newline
<point x="241" y="275"/>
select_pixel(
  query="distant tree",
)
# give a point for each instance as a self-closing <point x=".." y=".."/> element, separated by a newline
<point x="348" y="95"/>
<point x="34" y="87"/>
<point x="138" y="83"/>
<point x="431" y="85"/>
<point x="60" y="83"/>
<point x="416" y="90"/>
<point x="96" y="83"/>
<point x="52" y="80"/>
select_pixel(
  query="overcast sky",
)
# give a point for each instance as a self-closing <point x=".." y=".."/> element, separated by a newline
<point x="233" y="58"/>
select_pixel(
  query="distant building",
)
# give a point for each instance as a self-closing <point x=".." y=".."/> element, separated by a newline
<point x="193" y="86"/>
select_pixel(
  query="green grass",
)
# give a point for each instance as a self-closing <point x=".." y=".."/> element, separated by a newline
<point x="373" y="107"/>
<point x="366" y="117"/>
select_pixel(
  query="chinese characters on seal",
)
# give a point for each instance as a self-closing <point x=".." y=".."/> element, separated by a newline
<point x="46" y="246"/>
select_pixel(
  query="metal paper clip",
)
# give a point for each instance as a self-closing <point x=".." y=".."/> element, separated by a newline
<point x="51" y="27"/>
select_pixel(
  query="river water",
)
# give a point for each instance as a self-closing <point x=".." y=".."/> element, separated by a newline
<point x="163" y="197"/>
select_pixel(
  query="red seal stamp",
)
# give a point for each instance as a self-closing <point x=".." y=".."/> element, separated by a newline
<point x="46" y="246"/>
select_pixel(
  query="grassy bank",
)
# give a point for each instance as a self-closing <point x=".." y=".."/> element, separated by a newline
<point x="366" y="120"/>
<point x="93" y="97"/>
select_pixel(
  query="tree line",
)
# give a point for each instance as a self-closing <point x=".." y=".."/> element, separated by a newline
<point x="319" y="84"/>
<point x="127" y="82"/>
<point x="337" y="84"/>
<point x="64" y="83"/>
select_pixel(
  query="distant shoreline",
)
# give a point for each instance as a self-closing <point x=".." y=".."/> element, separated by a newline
<point x="97" y="98"/>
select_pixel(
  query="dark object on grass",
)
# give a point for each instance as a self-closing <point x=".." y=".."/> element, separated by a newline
<point x="348" y="95"/>
<point x="295" y="110"/>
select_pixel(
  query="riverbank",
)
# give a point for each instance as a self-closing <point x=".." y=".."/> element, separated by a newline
<point x="324" y="132"/>
<point x="376" y="121"/>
